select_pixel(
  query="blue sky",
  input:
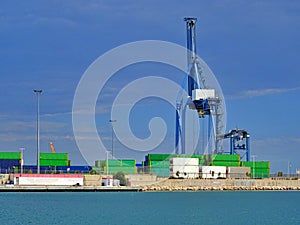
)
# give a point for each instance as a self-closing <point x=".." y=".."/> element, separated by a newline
<point x="251" y="46"/>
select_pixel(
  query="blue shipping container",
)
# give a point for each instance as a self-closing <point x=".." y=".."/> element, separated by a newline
<point x="9" y="163"/>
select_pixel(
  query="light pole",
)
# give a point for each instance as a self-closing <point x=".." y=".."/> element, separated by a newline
<point x="253" y="161"/>
<point x="112" y="137"/>
<point x="22" y="159"/>
<point x="289" y="168"/>
<point x="106" y="164"/>
<point x="38" y="92"/>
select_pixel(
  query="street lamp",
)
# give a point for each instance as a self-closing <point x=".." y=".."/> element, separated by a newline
<point x="106" y="164"/>
<point x="253" y="161"/>
<point x="22" y="159"/>
<point x="112" y="137"/>
<point x="289" y="168"/>
<point x="38" y="92"/>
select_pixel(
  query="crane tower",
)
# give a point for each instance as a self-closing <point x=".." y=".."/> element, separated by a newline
<point x="201" y="98"/>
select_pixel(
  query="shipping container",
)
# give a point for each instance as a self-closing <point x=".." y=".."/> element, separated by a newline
<point x="238" y="172"/>
<point x="164" y="164"/>
<point x="54" y="162"/>
<point x="128" y="162"/>
<point x="184" y="161"/>
<point x="257" y="164"/>
<point x="73" y="169"/>
<point x="10" y="155"/>
<point x="213" y="172"/>
<point x="158" y="157"/>
<point x="43" y="169"/>
<point x="184" y="167"/>
<point x="125" y="170"/>
<point x="110" y="162"/>
<point x="260" y="173"/>
<point x="160" y="172"/>
<point x="9" y="163"/>
<point x="226" y="157"/>
<point x="54" y="156"/>
<point x="166" y="157"/>
<point x="48" y="179"/>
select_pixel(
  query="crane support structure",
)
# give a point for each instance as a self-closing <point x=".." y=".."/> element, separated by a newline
<point x="239" y="141"/>
<point x="201" y="98"/>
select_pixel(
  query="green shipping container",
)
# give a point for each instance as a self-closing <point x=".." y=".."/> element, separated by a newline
<point x="111" y="162"/>
<point x="53" y="162"/>
<point x="161" y="172"/>
<point x="10" y="155"/>
<point x="259" y="170"/>
<point x="163" y="164"/>
<point x="260" y="173"/>
<point x="55" y="156"/>
<point x="166" y="157"/>
<point x="126" y="170"/>
<point x="128" y="162"/>
<point x="257" y="164"/>
<point x="226" y="157"/>
<point x="159" y="157"/>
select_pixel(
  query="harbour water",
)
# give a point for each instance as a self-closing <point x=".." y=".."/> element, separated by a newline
<point x="238" y="207"/>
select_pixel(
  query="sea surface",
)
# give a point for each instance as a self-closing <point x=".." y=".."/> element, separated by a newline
<point x="238" y="207"/>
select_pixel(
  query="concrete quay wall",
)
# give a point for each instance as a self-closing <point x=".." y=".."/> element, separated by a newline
<point x="220" y="184"/>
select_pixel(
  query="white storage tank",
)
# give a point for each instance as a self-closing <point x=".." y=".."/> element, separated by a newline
<point x="184" y="167"/>
<point x="213" y="172"/>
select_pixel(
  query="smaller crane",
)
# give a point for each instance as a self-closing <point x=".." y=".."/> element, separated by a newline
<point x="239" y="140"/>
<point x="52" y="147"/>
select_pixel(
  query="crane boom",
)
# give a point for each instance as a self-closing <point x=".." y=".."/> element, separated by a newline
<point x="52" y="147"/>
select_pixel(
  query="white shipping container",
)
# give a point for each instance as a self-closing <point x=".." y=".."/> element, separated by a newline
<point x="184" y="161"/>
<point x="48" y="179"/>
<point x="213" y="172"/>
<point x="238" y="172"/>
<point x="184" y="167"/>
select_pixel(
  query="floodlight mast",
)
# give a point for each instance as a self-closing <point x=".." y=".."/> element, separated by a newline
<point x="38" y="92"/>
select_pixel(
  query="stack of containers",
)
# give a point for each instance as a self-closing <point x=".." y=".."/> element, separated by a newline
<point x="258" y="169"/>
<point x="222" y="160"/>
<point x="10" y="161"/>
<point x="54" y="159"/>
<point x="127" y="166"/>
<point x="43" y="169"/>
<point x="74" y="169"/>
<point x="159" y="164"/>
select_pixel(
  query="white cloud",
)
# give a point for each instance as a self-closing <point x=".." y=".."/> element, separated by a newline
<point x="56" y="114"/>
<point x="3" y="116"/>
<point x="261" y="92"/>
<point x="13" y="137"/>
<point x="271" y="141"/>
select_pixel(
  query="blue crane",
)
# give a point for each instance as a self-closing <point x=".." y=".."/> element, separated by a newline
<point x="239" y="142"/>
<point x="201" y="98"/>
